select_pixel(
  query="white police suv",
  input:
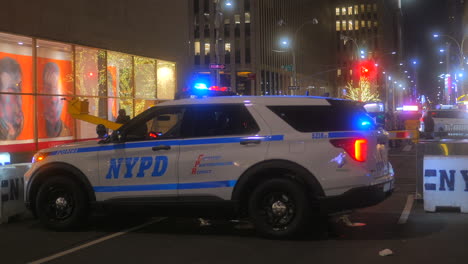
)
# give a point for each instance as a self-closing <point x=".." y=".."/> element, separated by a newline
<point x="277" y="160"/>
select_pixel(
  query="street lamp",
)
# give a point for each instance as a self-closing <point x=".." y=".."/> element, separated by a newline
<point x="228" y="4"/>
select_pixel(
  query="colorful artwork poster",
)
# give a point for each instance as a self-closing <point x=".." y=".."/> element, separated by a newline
<point x="113" y="91"/>
<point x="16" y="109"/>
<point x="54" y="82"/>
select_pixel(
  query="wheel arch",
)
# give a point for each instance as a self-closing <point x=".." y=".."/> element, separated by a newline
<point x="57" y="168"/>
<point x="275" y="168"/>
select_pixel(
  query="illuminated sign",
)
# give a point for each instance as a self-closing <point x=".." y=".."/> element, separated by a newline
<point x="410" y="108"/>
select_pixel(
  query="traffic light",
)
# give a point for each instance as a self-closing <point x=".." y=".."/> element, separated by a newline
<point x="367" y="69"/>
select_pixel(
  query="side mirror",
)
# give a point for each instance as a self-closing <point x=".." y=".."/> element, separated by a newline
<point x="102" y="131"/>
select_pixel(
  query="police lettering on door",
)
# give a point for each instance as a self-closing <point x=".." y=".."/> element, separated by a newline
<point x="447" y="180"/>
<point x="138" y="167"/>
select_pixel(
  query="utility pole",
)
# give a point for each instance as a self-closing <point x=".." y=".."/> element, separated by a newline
<point x="448" y="90"/>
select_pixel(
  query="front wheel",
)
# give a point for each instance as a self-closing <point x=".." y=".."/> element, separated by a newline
<point x="279" y="208"/>
<point x="61" y="204"/>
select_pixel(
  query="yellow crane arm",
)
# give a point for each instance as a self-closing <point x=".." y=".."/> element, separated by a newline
<point x="78" y="109"/>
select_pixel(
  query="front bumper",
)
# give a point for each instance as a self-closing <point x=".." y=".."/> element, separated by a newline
<point x="358" y="197"/>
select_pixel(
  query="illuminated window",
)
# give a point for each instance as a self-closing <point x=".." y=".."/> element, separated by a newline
<point x="369" y="24"/>
<point x="227" y="47"/>
<point x="375" y="7"/>
<point x="350" y="25"/>
<point x="343" y="11"/>
<point x="356" y="9"/>
<point x="369" y="8"/>
<point x="350" y="10"/>
<point x="338" y="72"/>
<point x="145" y="82"/>
<point x="166" y="81"/>
<point x="338" y="25"/>
<point x="120" y="85"/>
<point x="247" y="17"/>
<point x="337" y="11"/>
<point x="356" y="25"/>
<point x="363" y="9"/>
<point x="227" y="21"/>
<point x="343" y="25"/>
<point x="376" y="23"/>
<point x="197" y="47"/>
<point x="363" y="23"/>
<point x="237" y="19"/>
<point x="207" y="49"/>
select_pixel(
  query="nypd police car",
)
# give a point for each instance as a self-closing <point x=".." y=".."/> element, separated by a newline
<point x="280" y="161"/>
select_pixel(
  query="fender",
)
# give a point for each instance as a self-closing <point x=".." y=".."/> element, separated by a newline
<point x="61" y="167"/>
<point x="299" y="171"/>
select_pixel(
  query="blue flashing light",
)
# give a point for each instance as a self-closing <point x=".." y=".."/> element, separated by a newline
<point x="200" y="86"/>
<point x="365" y="123"/>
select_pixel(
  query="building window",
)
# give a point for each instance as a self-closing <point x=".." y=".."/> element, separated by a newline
<point x="343" y="25"/>
<point x="350" y="10"/>
<point x="227" y="47"/>
<point x="247" y="17"/>
<point x="363" y="23"/>
<point x="166" y="82"/>
<point x="197" y="47"/>
<point x="207" y="49"/>
<point x="343" y="11"/>
<point x="350" y="25"/>
<point x="338" y="25"/>
<point x="363" y="9"/>
<point x="376" y="24"/>
<point x="338" y="72"/>
<point x="369" y="24"/>
<point x="145" y="82"/>
<point x="375" y="7"/>
<point x="369" y="8"/>
<point x="237" y="19"/>
<point x="119" y="84"/>
<point x="356" y="9"/>
<point x="247" y="5"/>
<point x="356" y="25"/>
<point x="227" y="21"/>
<point x="337" y="11"/>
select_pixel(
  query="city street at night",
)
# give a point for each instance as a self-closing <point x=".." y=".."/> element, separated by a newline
<point x="424" y="237"/>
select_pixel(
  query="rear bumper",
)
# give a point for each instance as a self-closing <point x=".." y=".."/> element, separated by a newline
<point x="358" y="197"/>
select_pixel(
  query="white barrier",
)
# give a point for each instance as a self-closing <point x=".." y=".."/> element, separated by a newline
<point x="445" y="182"/>
<point x="12" y="190"/>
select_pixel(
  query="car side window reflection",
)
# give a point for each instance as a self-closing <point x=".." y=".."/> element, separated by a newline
<point x="164" y="123"/>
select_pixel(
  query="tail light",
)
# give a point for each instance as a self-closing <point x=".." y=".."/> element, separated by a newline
<point x="356" y="148"/>
<point x="421" y="119"/>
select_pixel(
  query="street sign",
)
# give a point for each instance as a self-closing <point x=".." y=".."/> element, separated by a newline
<point x="294" y="87"/>
<point x="215" y="66"/>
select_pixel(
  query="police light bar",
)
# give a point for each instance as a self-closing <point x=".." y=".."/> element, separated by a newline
<point x="410" y="108"/>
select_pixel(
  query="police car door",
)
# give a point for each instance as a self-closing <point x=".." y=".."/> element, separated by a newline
<point x="144" y="161"/>
<point x="223" y="140"/>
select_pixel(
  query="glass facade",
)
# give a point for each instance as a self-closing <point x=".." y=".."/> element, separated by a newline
<point x="37" y="77"/>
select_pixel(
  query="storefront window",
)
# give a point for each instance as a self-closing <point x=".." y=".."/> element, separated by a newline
<point x="16" y="109"/>
<point x="90" y="71"/>
<point x="84" y="129"/>
<point x="119" y="83"/>
<point x="166" y="80"/>
<point x="145" y="81"/>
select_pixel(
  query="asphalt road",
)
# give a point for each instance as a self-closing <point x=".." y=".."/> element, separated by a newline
<point x="424" y="237"/>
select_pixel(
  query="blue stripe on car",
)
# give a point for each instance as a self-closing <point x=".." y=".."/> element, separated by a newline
<point x="166" y="186"/>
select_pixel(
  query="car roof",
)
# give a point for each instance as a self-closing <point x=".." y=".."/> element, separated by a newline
<point x="263" y="100"/>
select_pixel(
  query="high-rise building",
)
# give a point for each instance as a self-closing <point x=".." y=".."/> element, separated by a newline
<point x="368" y="43"/>
<point x="259" y="42"/>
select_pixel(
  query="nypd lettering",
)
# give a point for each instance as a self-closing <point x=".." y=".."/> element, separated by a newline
<point x="137" y="167"/>
<point x="446" y="180"/>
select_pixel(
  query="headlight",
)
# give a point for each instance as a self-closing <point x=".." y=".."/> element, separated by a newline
<point x="40" y="156"/>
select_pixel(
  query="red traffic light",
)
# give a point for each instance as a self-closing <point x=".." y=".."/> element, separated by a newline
<point x="367" y="69"/>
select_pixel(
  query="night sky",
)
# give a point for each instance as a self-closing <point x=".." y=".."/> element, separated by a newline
<point x="423" y="18"/>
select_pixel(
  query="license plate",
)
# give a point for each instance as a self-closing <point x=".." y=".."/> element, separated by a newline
<point x="387" y="186"/>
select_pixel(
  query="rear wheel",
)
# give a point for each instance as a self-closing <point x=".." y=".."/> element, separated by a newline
<point x="279" y="208"/>
<point x="61" y="204"/>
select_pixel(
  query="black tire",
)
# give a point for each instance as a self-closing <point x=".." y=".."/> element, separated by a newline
<point x="279" y="209"/>
<point x="61" y="204"/>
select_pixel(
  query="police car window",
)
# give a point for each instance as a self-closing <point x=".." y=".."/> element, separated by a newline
<point x="164" y="123"/>
<point x="219" y="120"/>
<point x="324" y="118"/>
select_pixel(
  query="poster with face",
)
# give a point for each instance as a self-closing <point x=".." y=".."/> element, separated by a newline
<point x="54" y="82"/>
<point x="16" y="109"/>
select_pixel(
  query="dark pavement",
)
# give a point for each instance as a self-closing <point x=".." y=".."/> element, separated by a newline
<point x="425" y="238"/>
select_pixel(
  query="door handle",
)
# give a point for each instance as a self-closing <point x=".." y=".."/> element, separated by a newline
<point x="162" y="147"/>
<point x="250" y="142"/>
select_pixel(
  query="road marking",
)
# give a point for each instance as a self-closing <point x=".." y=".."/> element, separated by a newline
<point x="406" y="212"/>
<point x="97" y="241"/>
